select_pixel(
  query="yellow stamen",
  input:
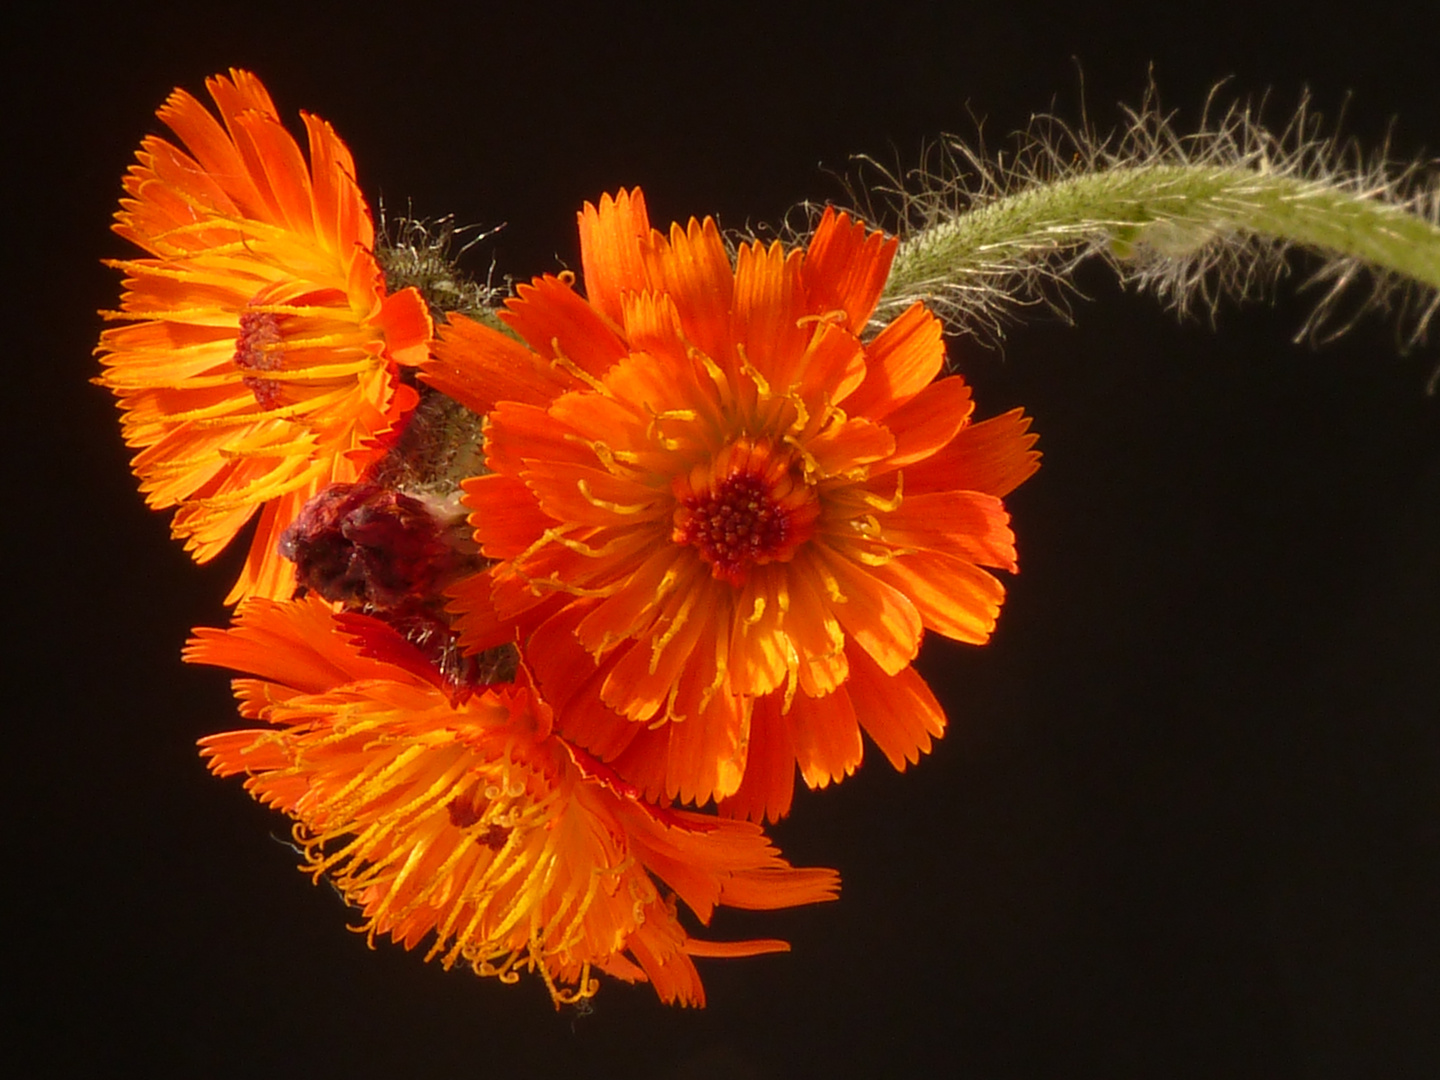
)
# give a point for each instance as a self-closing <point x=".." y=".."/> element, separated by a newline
<point x="761" y="383"/>
<point x="890" y="505"/>
<point x="564" y="363"/>
<point x="624" y="509"/>
<point x="834" y="317"/>
<point x="677" y="622"/>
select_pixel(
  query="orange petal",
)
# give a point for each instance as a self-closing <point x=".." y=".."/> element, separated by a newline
<point x="212" y="147"/>
<point x="480" y="367"/>
<point x="652" y="324"/>
<point x="340" y="213"/>
<point x="266" y="572"/>
<point x="656" y="385"/>
<point x="517" y="433"/>
<point x="827" y="737"/>
<point x="878" y="616"/>
<point x="846" y="267"/>
<point x="679" y="653"/>
<point x="479" y="625"/>
<point x="571" y="680"/>
<point x="282" y="170"/>
<point x="672" y="973"/>
<point x="611" y="242"/>
<point x="706" y="758"/>
<point x="928" y="421"/>
<point x="769" y="301"/>
<point x="954" y="597"/>
<point x="584" y="495"/>
<point x="815" y="631"/>
<point x="843" y="447"/>
<point x="904" y="358"/>
<point x="994" y="456"/>
<point x="965" y="523"/>
<point x="293" y="644"/>
<point x="833" y="365"/>
<point x="633" y="609"/>
<point x="562" y="328"/>
<point x="766" y="791"/>
<point x="405" y="321"/>
<point x="898" y="711"/>
<point x="505" y="517"/>
<point x="694" y="270"/>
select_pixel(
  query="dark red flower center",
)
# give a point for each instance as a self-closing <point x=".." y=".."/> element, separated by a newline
<point x="747" y="508"/>
<point x="258" y="347"/>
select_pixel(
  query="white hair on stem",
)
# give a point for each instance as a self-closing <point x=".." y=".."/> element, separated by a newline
<point x="422" y="253"/>
<point x="1193" y="218"/>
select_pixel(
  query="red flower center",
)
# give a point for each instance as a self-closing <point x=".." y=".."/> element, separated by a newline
<point x="746" y="507"/>
<point x="258" y="348"/>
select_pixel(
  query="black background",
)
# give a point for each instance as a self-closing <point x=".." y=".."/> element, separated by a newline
<point x="1185" y="820"/>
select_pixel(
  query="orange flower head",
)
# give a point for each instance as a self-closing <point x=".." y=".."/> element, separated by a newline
<point x="723" y="514"/>
<point x="470" y="821"/>
<point x="257" y="363"/>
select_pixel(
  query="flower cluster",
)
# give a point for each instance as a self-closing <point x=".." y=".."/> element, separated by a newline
<point x="707" y="515"/>
<point x="721" y="518"/>
<point x="468" y="820"/>
<point x="258" y="363"/>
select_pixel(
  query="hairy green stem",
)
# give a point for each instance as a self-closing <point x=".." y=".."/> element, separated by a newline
<point x="1172" y="212"/>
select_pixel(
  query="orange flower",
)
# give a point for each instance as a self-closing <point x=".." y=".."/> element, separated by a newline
<point x="722" y="519"/>
<point x="469" y="820"/>
<point x="258" y="365"/>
